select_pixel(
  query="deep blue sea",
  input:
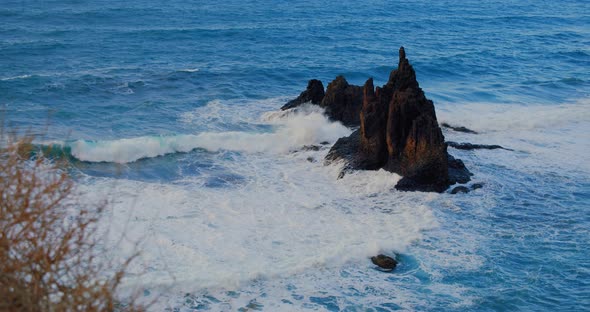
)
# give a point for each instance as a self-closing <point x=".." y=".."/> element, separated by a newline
<point x="170" y="111"/>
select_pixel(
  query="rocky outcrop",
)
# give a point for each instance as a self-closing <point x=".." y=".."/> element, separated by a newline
<point x="385" y="263"/>
<point x="457" y="128"/>
<point x="314" y="94"/>
<point x="471" y="146"/>
<point x="341" y="101"/>
<point x="373" y="119"/>
<point x="460" y="189"/>
<point x="476" y="186"/>
<point x="400" y="133"/>
<point x="458" y="173"/>
<point x="465" y="189"/>
<point x="415" y="143"/>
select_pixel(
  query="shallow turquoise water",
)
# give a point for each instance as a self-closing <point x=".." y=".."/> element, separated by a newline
<point x="191" y="87"/>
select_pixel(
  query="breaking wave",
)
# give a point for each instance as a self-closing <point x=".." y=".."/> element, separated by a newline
<point x="289" y="132"/>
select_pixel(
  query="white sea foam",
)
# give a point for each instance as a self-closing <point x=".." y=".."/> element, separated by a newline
<point x="513" y="117"/>
<point x="289" y="221"/>
<point x="211" y="113"/>
<point x="190" y="70"/>
<point x="545" y="136"/>
<point x="16" y="77"/>
<point x="290" y="217"/>
<point x="219" y="115"/>
<point x="299" y="129"/>
<point x="291" y="227"/>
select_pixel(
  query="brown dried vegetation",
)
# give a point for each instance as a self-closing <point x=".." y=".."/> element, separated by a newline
<point x="48" y="241"/>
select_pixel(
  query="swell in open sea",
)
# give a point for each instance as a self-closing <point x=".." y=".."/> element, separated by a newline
<point x="170" y="111"/>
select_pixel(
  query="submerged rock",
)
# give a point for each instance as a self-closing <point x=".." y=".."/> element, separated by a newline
<point x="476" y="186"/>
<point x="460" y="189"/>
<point x="314" y="94"/>
<point x="400" y="133"/>
<point x="464" y="189"/>
<point x="310" y="148"/>
<point x="384" y="262"/>
<point x="457" y="128"/>
<point x="470" y="146"/>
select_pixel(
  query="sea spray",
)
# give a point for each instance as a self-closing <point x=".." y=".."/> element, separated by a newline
<point x="291" y="132"/>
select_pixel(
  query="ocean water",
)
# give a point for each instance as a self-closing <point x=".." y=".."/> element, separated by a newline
<point x="170" y="111"/>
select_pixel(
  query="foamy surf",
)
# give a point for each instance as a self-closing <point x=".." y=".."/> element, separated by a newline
<point x="289" y="217"/>
<point x="285" y="233"/>
<point x="189" y="70"/>
<point x="541" y="136"/>
<point x="487" y="117"/>
<point x="289" y="226"/>
<point x="287" y="221"/>
<point x="16" y="77"/>
<point x="290" y="132"/>
<point x="298" y="238"/>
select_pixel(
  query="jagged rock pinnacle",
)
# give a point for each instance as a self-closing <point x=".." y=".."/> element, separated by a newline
<point x="398" y="132"/>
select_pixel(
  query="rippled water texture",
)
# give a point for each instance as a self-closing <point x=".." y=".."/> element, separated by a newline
<point x="169" y="110"/>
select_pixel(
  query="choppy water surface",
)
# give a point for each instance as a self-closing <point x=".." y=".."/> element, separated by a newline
<point x="170" y="110"/>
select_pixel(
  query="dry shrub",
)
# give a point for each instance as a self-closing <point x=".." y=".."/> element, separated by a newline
<point x="48" y="244"/>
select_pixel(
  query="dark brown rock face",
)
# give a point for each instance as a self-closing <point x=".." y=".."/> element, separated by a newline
<point x="313" y="94"/>
<point x="373" y="118"/>
<point x="343" y="101"/>
<point x="413" y="141"/>
<point x="457" y="128"/>
<point x="400" y="133"/>
<point x="460" y="189"/>
<point x="471" y="146"/>
<point x="384" y="262"/>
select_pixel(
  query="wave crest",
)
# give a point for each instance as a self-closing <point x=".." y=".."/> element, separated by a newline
<point x="291" y="131"/>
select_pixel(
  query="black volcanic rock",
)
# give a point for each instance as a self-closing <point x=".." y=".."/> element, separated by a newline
<point x="471" y="146"/>
<point x="460" y="189"/>
<point x="415" y="143"/>
<point x="457" y="128"/>
<point x="310" y="148"/>
<point x="399" y="132"/>
<point x="343" y="101"/>
<point x="476" y="186"/>
<point x="384" y="262"/>
<point x="458" y="173"/>
<point x="347" y="149"/>
<point x="314" y="94"/>
<point x="373" y="119"/>
<point x="465" y="189"/>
